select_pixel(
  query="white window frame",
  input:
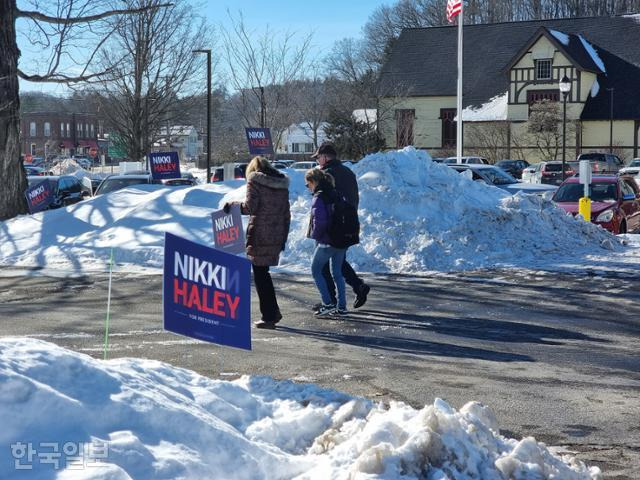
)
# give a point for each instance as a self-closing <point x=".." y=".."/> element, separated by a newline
<point x="47" y="129"/>
<point x="539" y="64"/>
<point x="33" y="129"/>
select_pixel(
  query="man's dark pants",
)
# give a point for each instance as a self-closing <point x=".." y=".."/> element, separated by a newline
<point x="349" y="275"/>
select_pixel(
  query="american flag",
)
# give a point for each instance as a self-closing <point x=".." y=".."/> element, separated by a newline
<point x="454" y="7"/>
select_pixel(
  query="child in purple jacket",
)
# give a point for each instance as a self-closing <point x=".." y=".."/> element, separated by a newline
<point x="321" y="185"/>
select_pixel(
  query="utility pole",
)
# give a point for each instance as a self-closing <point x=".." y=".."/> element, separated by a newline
<point x="610" y="119"/>
<point x="208" y="52"/>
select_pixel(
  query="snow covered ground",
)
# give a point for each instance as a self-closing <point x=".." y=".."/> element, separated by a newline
<point x="417" y="217"/>
<point x="132" y="418"/>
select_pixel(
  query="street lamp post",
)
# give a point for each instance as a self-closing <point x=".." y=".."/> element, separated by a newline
<point x="208" y="52"/>
<point x="565" y="88"/>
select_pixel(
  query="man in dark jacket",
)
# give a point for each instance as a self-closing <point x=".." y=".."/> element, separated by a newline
<point x="347" y="186"/>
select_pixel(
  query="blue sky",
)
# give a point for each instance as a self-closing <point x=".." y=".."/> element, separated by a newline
<point x="329" y="21"/>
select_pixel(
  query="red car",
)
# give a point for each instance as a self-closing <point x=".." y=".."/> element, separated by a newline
<point x="615" y="201"/>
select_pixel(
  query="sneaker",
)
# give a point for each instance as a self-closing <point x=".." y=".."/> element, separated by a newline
<point x="361" y="296"/>
<point x="341" y="312"/>
<point x="265" y="325"/>
<point x="326" y="311"/>
<point x="318" y="306"/>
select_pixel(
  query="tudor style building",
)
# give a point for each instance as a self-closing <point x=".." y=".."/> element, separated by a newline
<point x="508" y="69"/>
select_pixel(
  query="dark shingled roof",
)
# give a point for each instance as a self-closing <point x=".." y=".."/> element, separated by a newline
<point x="423" y="60"/>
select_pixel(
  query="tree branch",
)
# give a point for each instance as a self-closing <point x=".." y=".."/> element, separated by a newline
<point x="59" y="78"/>
<point x="35" y="15"/>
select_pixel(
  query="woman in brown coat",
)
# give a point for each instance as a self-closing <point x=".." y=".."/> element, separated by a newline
<point x="267" y="204"/>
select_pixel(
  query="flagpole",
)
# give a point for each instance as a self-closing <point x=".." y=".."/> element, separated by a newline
<point x="459" y="93"/>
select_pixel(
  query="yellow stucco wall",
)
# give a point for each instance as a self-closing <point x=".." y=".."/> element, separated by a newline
<point x="427" y="132"/>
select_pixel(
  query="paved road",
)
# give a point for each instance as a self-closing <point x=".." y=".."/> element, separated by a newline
<point x="555" y="356"/>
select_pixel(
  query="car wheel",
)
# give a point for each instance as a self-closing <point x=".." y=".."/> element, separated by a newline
<point x="623" y="227"/>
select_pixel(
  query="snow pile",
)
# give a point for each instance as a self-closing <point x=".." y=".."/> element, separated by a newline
<point x="131" y="418"/>
<point x="495" y="109"/>
<point x="416" y="216"/>
<point x="68" y="166"/>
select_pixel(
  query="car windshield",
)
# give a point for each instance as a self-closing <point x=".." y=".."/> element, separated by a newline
<point x="113" y="184"/>
<point x="598" y="192"/>
<point x="592" y="157"/>
<point x="497" y="176"/>
<point x="635" y="163"/>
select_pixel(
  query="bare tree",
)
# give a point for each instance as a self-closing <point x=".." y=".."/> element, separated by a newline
<point x="57" y="28"/>
<point x="544" y="128"/>
<point x="142" y="94"/>
<point x="488" y="139"/>
<point x="262" y="67"/>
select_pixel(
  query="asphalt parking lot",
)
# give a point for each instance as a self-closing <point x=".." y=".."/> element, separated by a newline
<point x="555" y="356"/>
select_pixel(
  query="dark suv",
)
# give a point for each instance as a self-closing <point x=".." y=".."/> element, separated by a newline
<point x="67" y="189"/>
<point x="602" y="162"/>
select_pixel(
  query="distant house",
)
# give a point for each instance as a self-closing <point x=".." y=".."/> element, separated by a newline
<point x="179" y="138"/>
<point x="44" y="134"/>
<point x="509" y="70"/>
<point x="299" y="139"/>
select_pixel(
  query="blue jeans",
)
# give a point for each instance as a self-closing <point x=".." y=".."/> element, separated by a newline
<point x="335" y="258"/>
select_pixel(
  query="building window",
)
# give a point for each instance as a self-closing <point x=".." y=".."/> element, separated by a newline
<point x="308" y="148"/>
<point x="47" y="129"/>
<point x="447" y="117"/>
<point x="404" y="127"/>
<point x="86" y="130"/>
<point x="92" y="131"/>
<point x="68" y="130"/>
<point x="33" y="149"/>
<point x="295" y="148"/>
<point x="32" y="129"/>
<point x="62" y="129"/>
<point x="543" y="69"/>
<point x="535" y="96"/>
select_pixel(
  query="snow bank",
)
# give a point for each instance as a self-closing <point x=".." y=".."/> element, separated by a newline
<point x="417" y="216"/>
<point x="146" y="419"/>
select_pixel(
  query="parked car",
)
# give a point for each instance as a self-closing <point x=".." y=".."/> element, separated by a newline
<point x="615" y="201"/>
<point x="238" y="173"/>
<point x="439" y="159"/>
<point x="67" y="189"/>
<point x="549" y="173"/>
<point x="602" y="162"/>
<point x="303" y="165"/>
<point x="113" y="183"/>
<point x="634" y="163"/>
<point x="288" y="163"/>
<point x="95" y="183"/>
<point x="465" y="160"/>
<point x="513" y="167"/>
<point x="34" y="171"/>
<point x="84" y="162"/>
<point x="279" y="165"/>
<point x="186" y="179"/>
<point x="492" y="175"/>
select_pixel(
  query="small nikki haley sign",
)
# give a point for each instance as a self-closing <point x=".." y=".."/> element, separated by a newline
<point x="228" y="233"/>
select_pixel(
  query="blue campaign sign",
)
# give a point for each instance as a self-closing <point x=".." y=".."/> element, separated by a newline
<point x="259" y="140"/>
<point x="206" y="293"/>
<point x="164" y="165"/>
<point x="39" y="196"/>
<point x="228" y="232"/>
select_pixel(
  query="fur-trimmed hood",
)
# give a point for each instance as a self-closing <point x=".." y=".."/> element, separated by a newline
<point x="279" y="182"/>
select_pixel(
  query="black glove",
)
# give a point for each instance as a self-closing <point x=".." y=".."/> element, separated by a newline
<point x="226" y="208"/>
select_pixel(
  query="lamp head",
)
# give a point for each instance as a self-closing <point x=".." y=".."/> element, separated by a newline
<point x="565" y="85"/>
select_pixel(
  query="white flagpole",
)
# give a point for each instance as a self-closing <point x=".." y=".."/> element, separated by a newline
<point x="459" y="94"/>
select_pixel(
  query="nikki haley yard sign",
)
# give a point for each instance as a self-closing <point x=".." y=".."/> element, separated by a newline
<point x="228" y="233"/>
<point x="164" y="165"/>
<point x="206" y="293"/>
<point x="39" y="196"/>
<point x="259" y="140"/>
